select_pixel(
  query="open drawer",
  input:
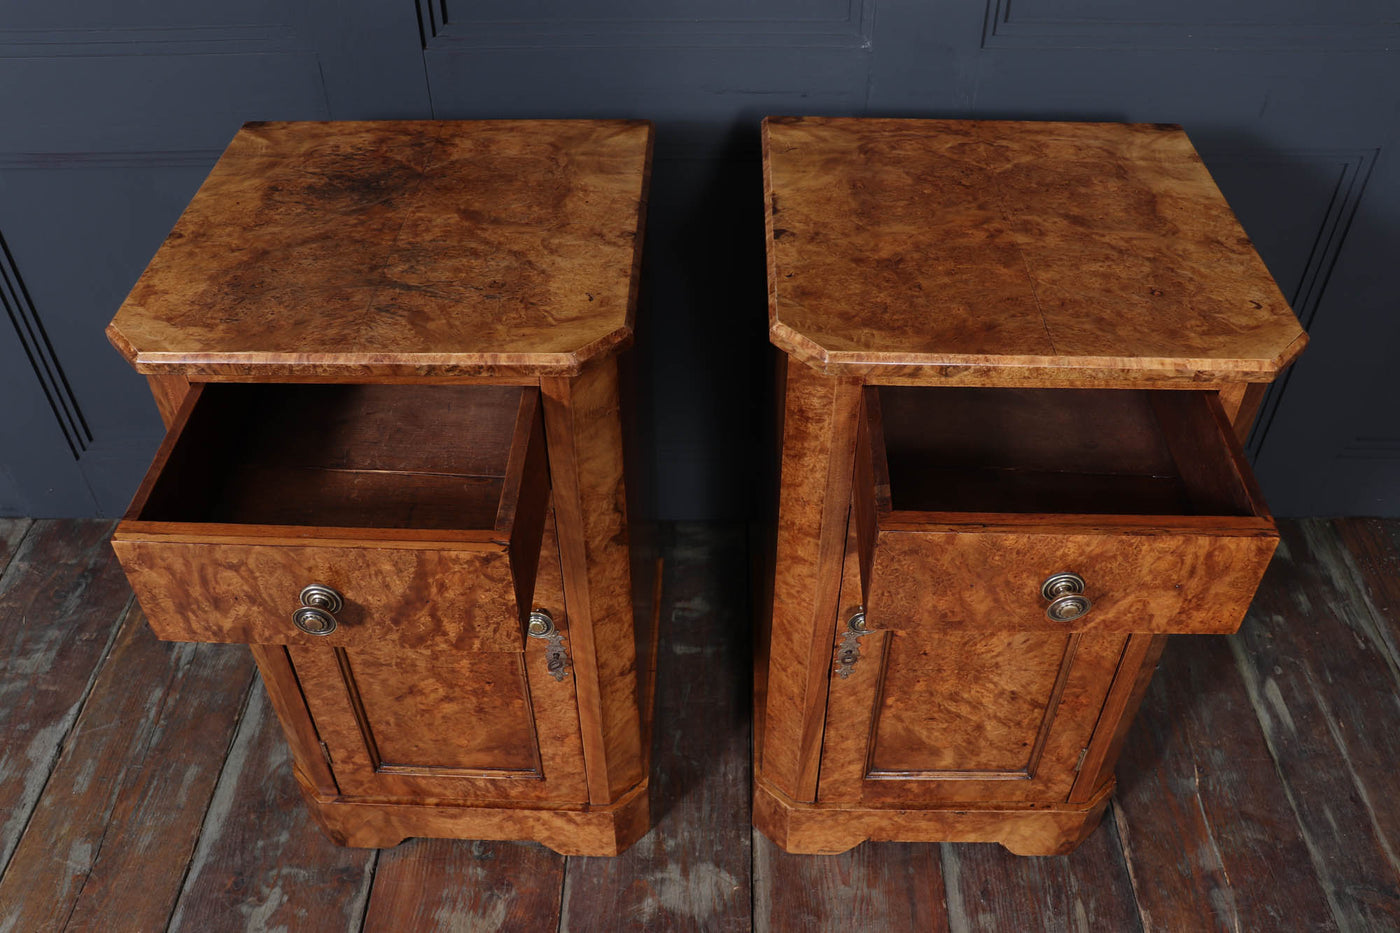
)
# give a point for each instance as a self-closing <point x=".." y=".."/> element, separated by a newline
<point x="421" y="507"/>
<point x="968" y="501"/>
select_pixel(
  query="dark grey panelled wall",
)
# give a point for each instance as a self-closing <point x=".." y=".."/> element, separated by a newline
<point x="111" y="113"/>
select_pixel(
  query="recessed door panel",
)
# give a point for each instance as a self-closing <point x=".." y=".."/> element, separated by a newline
<point x="967" y="705"/>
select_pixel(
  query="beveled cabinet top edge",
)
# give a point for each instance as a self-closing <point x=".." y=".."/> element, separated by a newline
<point x="893" y="256"/>
<point x="400" y="249"/>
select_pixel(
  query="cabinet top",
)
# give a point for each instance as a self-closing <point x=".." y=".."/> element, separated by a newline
<point x="399" y="249"/>
<point x="987" y="252"/>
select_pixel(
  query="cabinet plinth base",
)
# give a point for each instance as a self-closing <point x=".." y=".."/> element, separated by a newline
<point x="830" y="829"/>
<point x="374" y="825"/>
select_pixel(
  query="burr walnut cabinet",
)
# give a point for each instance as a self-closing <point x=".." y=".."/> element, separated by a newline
<point x="387" y="358"/>
<point x="1017" y="360"/>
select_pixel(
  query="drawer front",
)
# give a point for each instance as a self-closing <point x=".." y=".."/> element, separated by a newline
<point x="1194" y="570"/>
<point x="966" y="578"/>
<point x="449" y="484"/>
<point x="409" y="598"/>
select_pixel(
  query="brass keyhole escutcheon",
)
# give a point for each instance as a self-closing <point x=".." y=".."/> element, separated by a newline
<point x="319" y="604"/>
<point x="541" y="625"/>
<point x="1065" y="591"/>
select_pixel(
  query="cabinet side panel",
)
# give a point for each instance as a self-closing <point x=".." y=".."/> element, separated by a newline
<point x="169" y="393"/>
<point x="584" y="435"/>
<point x="818" y="456"/>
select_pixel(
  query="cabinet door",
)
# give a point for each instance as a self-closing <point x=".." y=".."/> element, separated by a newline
<point x="944" y="717"/>
<point x="478" y="726"/>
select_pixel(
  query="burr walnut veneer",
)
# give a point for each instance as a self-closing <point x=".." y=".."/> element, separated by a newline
<point x="386" y="355"/>
<point x="1017" y="362"/>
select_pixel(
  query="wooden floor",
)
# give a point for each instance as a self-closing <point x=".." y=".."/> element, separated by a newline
<point x="144" y="785"/>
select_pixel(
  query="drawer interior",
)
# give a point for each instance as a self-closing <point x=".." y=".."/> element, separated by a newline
<point x="352" y="456"/>
<point x="1066" y="451"/>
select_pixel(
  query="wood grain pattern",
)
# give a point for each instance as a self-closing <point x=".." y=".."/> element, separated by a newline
<point x="426" y="457"/>
<point x="12" y="532"/>
<point x="946" y="719"/>
<point x="261" y="862"/>
<point x="818" y="448"/>
<point x="855" y="890"/>
<point x="130" y="789"/>
<point x="1300" y="635"/>
<point x="480" y="726"/>
<point x="169" y="392"/>
<point x="62" y="600"/>
<point x="1373" y="548"/>
<point x="309" y="764"/>
<point x="1200" y="806"/>
<point x="691" y="871"/>
<point x="584" y="430"/>
<point x="959" y="577"/>
<point x="925" y="247"/>
<point x="957" y="570"/>
<point x="1130" y="682"/>
<point x="608" y="830"/>
<point x="462" y="599"/>
<point x="1088" y="889"/>
<point x="1241" y="401"/>
<point x="851" y="697"/>
<point x="399" y="248"/>
<point x="443" y="884"/>
<point x="197" y="582"/>
<point x="1024" y="829"/>
<point x="974" y="704"/>
<point x="1337" y="590"/>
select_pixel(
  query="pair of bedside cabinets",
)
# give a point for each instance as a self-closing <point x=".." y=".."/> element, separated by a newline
<point x="1016" y="361"/>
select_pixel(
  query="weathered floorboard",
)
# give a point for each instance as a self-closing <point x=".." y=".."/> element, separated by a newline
<point x="262" y="863"/>
<point x="450" y="884"/>
<point x="1373" y="547"/>
<point x="894" y="887"/>
<point x="1255" y="790"/>
<point x="130" y="790"/>
<point x="1320" y="678"/>
<point x="12" y="532"/>
<point x="59" y="611"/>
<point x="1210" y="839"/>
<point x="1087" y="890"/>
<point x="691" y="872"/>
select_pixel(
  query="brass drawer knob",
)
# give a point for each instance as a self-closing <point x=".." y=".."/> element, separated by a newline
<point x="1066" y="594"/>
<point x="314" y="621"/>
<point x="541" y="625"/>
<point x="319" y="603"/>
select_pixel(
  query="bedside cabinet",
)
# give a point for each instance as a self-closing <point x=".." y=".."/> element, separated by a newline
<point x="386" y="355"/>
<point x="1017" y="361"/>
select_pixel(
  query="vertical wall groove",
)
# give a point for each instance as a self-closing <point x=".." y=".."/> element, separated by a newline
<point x="19" y="308"/>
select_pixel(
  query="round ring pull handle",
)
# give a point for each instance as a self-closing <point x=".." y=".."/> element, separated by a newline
<point x="540" y="625"/>
<point x="320" y="596"/>
<point x="1066" y="594"/>
<point x="1062" y="584"/>
<point x="319" y="604"/>
<point x="314" y="621"/>
<point x="1067" y="608"/>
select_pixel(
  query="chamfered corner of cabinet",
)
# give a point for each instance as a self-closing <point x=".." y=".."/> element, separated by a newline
<point x="119" y="342"/>
<point x="1289" y="354"/>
